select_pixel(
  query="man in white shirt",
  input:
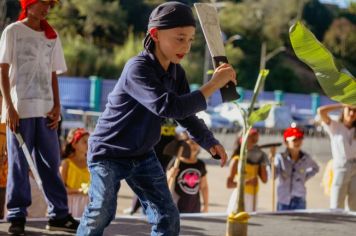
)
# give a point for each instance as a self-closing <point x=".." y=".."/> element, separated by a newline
<point x="31" y="56"/>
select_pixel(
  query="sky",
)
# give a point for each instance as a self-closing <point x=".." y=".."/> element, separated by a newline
<point x="341" y="3"/>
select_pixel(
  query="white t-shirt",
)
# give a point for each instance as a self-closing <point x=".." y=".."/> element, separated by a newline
<point x="343" y="142"/>
<point x="32" y="59"/>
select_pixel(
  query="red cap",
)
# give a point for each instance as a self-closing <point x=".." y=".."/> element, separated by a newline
<point x="292" y="133"/>
<point x="252" y="132"/>
<point x="48" y="30"/>
<point x="78" y="134"/>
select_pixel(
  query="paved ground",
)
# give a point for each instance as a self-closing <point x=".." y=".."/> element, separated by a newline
<point x="264" y="223"/>
<point x="293" y="224"/>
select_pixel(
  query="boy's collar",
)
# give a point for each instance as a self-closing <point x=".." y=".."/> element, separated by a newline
<point x="171" y="69"/>
<point x="286" y="154"/>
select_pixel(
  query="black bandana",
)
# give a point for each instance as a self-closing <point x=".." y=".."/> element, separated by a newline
<point x="166" y="16"/>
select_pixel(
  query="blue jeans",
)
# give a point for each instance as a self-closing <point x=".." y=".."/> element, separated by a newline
<point x="146" y="178"/>
<point x="296" y="203"/>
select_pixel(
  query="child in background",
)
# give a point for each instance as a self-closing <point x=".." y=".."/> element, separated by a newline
<point x="293" y="168"/>
<point x="256" y="168"/>
<point x="74" y="170"/>
<point x="190" y="179"/>
<point x="342" y="135"/>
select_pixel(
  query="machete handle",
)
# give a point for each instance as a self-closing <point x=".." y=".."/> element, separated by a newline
<point x="228" y="92"/>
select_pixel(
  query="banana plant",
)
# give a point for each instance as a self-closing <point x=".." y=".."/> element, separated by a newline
<point x="337" y="85"/>
<point x="237" y="220"/>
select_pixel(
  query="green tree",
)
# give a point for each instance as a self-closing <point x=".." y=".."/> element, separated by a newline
<point x="263" y="25"/>
<point x="101" y="22"/>
<point x="131" y="47"/>
<point x="340" y="39"/>
<point x="10" y="10"/>
<point x="318" y="17"/>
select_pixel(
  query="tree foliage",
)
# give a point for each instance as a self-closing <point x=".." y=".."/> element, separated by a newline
<point x="340" y="39"/>
<point x="99" y="36"/>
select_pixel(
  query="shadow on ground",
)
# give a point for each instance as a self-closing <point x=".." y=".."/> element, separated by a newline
<point x="261" y="224"/>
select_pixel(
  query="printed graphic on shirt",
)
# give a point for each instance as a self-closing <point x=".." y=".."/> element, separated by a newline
<point x="33" y="78"/>
<point x="188" y="180"/>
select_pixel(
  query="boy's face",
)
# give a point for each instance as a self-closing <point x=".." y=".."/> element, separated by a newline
<point x="295" y="144"/>
<point x="39" y="10"/>
<point x="252" y="139"/>
<point x="173" y="44"/>
<point x="82" y="145"/>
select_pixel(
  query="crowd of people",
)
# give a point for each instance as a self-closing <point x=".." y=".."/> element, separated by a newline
<point x="85" y="180"/>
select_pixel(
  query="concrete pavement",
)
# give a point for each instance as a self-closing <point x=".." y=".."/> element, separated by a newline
<point x="262" y="224"/>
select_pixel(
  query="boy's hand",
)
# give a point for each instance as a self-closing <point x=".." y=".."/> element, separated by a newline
<point x="12" y="119"/>
<point x="222" y="75"/>
<point x="54" y="115"/>
<point x="219" y="150"/>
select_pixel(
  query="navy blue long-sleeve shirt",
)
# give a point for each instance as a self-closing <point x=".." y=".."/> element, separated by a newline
<point x="144" y="95"/>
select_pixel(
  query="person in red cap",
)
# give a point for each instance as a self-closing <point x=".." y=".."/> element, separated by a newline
<point x="293" y="168"/>
<point x="342" y="135"/>
<point x="31" y="56"/>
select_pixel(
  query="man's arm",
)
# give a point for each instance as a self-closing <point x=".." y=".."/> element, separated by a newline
<point x="324" y="110"/>
<point x="54" y="114"/>
<point x="12" y="117"/>
<point x="204" y="137"/>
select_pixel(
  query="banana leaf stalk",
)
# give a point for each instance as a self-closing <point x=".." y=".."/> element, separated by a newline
<point x="237" y="220"/>
<point x="243" y="152"/>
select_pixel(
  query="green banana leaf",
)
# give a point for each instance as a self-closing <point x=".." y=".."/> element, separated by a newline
<point x="259" y="115"/>
<point x="337" y="85"/>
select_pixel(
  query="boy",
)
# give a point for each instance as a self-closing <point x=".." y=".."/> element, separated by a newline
<point x="151" y="87"/>
<point x="293" y="168"/>
<point x="30" y="58"/>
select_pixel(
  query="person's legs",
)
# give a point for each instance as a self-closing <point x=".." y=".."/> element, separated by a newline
<point x="297" y="203"/>
<point x="47" y="162"/>
<point x="2" y="202"/>
<point x="105" y="179"/>
<point x="282" y="207"/>
<point x="149" y="182"/>
<point x="338" y="188"/>
<point x="249" y="201"/>
<point x="18" y="186"/>
<point x="352" y="188"/>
